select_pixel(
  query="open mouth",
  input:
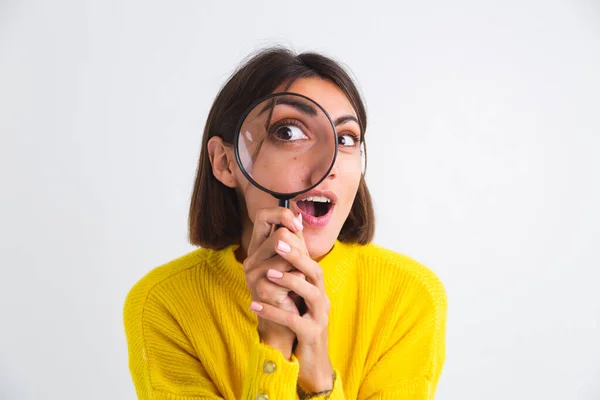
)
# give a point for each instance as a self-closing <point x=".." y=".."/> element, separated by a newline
<point x="315" y="206"/>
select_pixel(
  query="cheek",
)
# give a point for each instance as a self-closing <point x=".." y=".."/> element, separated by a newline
<point x="350" y="174"/>
<point x="251" y="198"/>
<point x="352" y="169"/>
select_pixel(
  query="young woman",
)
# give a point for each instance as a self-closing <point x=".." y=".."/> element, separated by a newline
<point x="227" y="321"/>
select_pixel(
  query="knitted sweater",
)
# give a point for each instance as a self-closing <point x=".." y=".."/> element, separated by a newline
<point x="191" y="333"/>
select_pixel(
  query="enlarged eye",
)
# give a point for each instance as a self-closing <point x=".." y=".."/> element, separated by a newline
<point x="347" y="140"/>
<point x="289" y="133"/>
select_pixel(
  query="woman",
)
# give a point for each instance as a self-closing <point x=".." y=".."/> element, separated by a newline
<point x="227" y="321"/>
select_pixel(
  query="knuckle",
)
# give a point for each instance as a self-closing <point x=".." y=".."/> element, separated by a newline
<point x="250" y="278"/>
<point x="280" y="298"/>
<point x="253" y="275"/>
<point x="286" y="234"/>
<point x="287" y="214"/>
<point x="317" y="297"/>
<point x="280" y="234"/>
<point x="262" y="291"/>
<point x="277" y="263"/>
<point x="286" y="303"/>
<point x="318" y="272"/>
<point x="290" y="320"/>
<point x="260" y="216"/>
<point x="299" y="274"/>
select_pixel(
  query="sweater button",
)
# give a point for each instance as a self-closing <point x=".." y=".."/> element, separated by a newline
<point x="262" y="397"/>
<point x="269" y="367"/>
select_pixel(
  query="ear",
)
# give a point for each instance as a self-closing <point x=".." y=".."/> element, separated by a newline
<point x="222" y="160"/>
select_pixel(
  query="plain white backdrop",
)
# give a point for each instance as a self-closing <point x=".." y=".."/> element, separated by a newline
<point x="484" y="163"/>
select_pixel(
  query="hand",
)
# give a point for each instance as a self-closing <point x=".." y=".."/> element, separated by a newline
<point x="263" y="257"/>
<point x="311" y="328"/>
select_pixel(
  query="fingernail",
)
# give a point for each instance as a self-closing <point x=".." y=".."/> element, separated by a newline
<point x="256" y="306"/>
<point x="273" y="273"/>
<point x="298" y="222"/>
<point x="283" y="246"/>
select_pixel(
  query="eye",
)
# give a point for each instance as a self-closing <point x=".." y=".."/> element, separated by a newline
<point x="289" y="133"/>
<point x="347" y="140"/>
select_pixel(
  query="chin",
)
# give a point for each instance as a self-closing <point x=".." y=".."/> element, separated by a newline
<point x="319" y="243"/>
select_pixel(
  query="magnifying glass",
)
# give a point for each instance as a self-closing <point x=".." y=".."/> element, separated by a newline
<point x="286" y="145"/>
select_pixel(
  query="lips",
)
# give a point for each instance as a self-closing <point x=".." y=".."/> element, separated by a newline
<point x="316" y="207"/>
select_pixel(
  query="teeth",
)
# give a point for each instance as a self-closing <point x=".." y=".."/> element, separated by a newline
<point x="318" y="199"/>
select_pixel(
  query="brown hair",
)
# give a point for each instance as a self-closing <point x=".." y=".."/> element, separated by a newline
<point x="214" y="218"/>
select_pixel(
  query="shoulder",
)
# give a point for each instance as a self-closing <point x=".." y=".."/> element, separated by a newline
<point x="401" y="277"/>
<point x="156" y="280"/>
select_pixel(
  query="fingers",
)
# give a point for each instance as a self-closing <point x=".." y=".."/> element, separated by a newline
<point x="291" y="320"/>
<point x="298" y="274"/>
<point x="265" y="219"/>
<point x="300" y="233"/>
<point x="316" y="300"/>
<point x="282" y="238"/>
<point x="298" y="257"/>
<point x="262" y="256"/>
<point x="269" y="292"/>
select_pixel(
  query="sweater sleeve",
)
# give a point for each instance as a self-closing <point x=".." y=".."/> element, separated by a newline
<point x="164" y="364"/>
<point x="411" y="363"/>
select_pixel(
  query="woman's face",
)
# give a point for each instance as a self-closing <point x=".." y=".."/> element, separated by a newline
<point x="325" y="208"/>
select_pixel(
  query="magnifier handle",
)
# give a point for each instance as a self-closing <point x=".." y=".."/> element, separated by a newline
<point x="285" y="203"/>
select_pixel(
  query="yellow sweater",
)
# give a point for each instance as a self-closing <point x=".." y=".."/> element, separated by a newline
<point x="191" y="333"/>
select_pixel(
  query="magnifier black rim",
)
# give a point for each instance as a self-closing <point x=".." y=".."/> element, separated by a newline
<point x="278" y="195"/>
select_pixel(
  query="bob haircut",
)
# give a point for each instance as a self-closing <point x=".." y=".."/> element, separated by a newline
<point x="214" y="217"/>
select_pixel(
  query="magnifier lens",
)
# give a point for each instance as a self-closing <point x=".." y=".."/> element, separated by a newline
<point x="286" y="144"/>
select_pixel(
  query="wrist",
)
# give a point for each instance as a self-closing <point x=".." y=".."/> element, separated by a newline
<point x="315" y="383"/>
<point x="316" y="370"/>
<point x="316" y="390"/>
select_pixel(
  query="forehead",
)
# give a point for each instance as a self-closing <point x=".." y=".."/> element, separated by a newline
<point x="324" y="92"/>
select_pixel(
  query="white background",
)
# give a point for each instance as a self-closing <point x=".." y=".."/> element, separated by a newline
<point x="484" y="148"/>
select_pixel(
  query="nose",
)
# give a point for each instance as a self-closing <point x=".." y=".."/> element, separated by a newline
<point x="317" y="174"/>
<point x="334" y="171"/>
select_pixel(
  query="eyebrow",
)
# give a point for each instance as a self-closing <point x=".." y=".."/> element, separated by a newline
<point x="298" y="105"/>
<point x="308" y="109"/>
<point x="345" y="118"/>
